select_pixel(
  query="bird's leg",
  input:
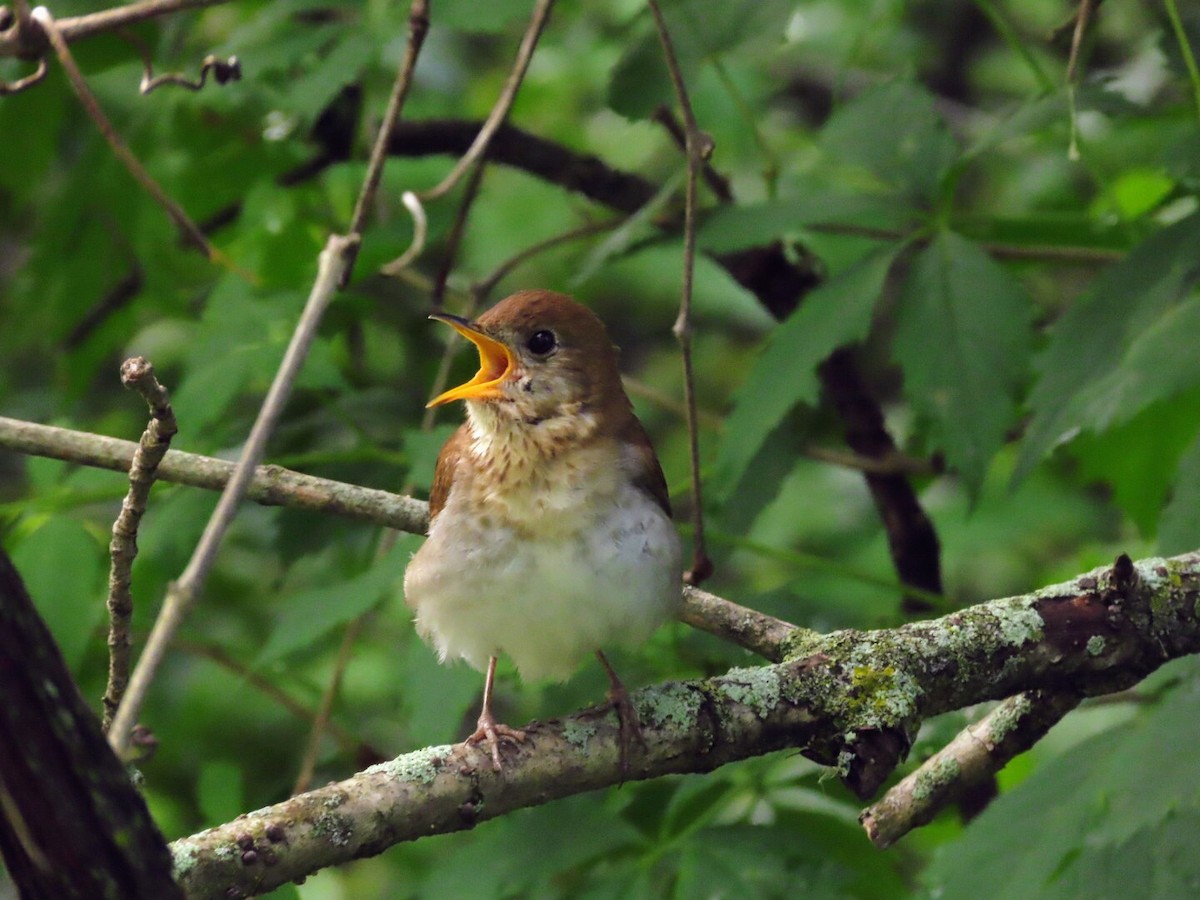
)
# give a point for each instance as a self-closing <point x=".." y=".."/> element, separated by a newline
<point x="487" y="728"/>
<point x="630" y="727"/>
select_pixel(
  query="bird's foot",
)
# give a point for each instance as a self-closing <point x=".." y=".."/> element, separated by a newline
<point x="630" y="731"/>
<point x="494" y="733"/>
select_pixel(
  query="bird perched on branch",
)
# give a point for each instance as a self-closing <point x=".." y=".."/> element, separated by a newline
<point x="550" y="534"/>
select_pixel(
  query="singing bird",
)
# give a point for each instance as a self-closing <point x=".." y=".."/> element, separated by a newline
<point x="550" y="532"/>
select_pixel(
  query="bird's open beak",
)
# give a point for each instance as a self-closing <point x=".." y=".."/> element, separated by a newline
<point x="495" y="361"/>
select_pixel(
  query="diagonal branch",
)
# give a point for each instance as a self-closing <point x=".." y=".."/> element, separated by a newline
<point x="190" y="231"/>
<point x="183" y="593"/>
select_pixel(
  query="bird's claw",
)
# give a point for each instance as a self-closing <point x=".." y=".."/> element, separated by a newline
<point x="494" y="733"/>
<point x="630" y="728"/>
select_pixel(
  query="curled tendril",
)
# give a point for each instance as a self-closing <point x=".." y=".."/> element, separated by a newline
<point x="15" y="87"/>
<point x="223" y="71"/>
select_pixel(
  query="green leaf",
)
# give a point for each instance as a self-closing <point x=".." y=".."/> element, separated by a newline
<point x="310" y="615"/>
<point x="1179" y="527"/>
<point x="1138" y="458"/>
<point x="1159" y="363"/>
<point x="63" y="569"/>
<point x="700" y="30"/>
<point x="1119" y="323"/>
<point x="1132" y="787"/>
<point x="835" y="314"/>
<point x="894" y="132"/>
<point x="962" y="338"/>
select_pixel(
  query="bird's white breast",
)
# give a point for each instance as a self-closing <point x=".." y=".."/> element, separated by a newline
<point x="546" y="574"/>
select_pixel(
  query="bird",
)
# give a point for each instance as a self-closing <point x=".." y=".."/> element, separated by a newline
<point x="550" y="534"/>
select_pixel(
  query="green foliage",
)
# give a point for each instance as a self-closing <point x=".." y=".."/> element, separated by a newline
<point x="976" y="315"/>
<point x="834" y="315"/>
<point x="1028" y="317"/>
<point x="1134" y="836"/>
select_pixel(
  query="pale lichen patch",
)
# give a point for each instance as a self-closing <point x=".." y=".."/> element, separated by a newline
<point x="935" y="778"/>
<point x="669" y="705"/>
<point x="419" y="766"/>
<point x="756" y="688"/>
<point x="577" y="733"/>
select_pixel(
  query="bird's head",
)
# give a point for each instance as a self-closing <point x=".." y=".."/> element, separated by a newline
<point x="542" y="356"/>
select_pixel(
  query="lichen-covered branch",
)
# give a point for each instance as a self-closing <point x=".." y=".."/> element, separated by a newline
<point x="975" y="755"/>
<point x="137" y="374"/>
<point x="850" y="699"/>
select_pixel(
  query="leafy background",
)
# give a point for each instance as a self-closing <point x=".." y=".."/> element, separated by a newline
<point x="1028" y="313"/>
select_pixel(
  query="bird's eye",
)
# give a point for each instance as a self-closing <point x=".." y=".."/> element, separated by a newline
<point x="541" y="342"/>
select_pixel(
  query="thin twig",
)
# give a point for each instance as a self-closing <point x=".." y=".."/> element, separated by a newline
<point x="699" y="147"/>
<point x="324" y="714"/>
<point x="74" y="28"/>
<point x="541" y="13"/>
<point x="893" y="463"/>
<point x="717" y="183"/>
<point x="704" y="417"/>
<point x="271" y="485"/>
<point x="1082" y="18"/>
<point x="1185" y="50"/>
<point x="182" y="594"/>
<point x="418" y="27"/>
<point x="174" y="211"/>
<point x="28" y="81"/>
<point x="487" y="284"/>
<point x="347" y="741"/>
<point x="457" y="231"/>
<point x="224" y="71"/>
<point x="420" y="229"/>
<point x="136" y="374"/>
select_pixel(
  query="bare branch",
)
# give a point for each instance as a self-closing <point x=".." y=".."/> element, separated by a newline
<point x="182" y="594"/>
<point x="136" y="374"/>
<point x="349" y="743"/>
<point x="420" y="230"/>
<point x="270" y="486"/>
<point x="757" y="632"/>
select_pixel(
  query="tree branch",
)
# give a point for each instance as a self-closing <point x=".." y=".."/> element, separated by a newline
<point x="847" y="699"/>
<point x="136" y="374"/>
<point x="31" y="43"/>
<point x="973" y="757"/>
<point x="269" y="485"/>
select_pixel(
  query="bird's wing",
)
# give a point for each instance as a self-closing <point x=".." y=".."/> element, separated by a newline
<point x="649" y="474"/>
<point x="443" y="475"/>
